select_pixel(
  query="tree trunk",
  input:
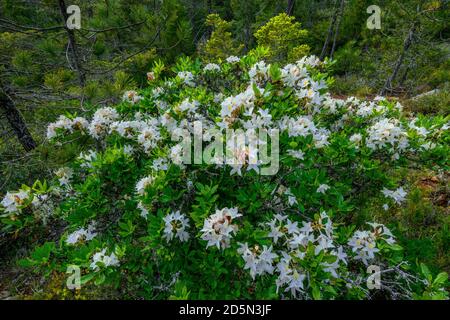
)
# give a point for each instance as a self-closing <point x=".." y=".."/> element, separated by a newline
<point x="336" y="31"/>
<point x="406" y="45"/>
<point x="404" y="77"/>
<point x="330" y="31"/>
<point x="290" y="7"/>
<point x="72" y="44"/>
<point x="16" y="122"/>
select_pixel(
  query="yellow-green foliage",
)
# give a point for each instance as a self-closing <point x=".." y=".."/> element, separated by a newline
<point x="56" y="80"/>
<point x="221" y="44"/>
<point x="283" y="37"/>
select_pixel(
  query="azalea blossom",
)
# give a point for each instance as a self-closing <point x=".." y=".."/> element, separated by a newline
<point x="218" y="228"/>
<point x="296" y="154"/>
<point x="175" y="226"/>
<point x="399" y="195"/>
<point x="82" y="234"/>
<point x="212" y="67"/>
<point x="258" y="261"/>
<point x="143" y="184"/>
<point x="103" y="117"/>
<point x="131" y="96"/>
<point x="143" y="209"/>
<point x="259" y="73"/>
<point x="233" y="59"/>
<point x="102" y="259"/>
<point x="356" y="138"/>
<point x="150" y="76"/>
<point x="322" y="188"/>
<point x="364" y="243"/>
<point x="387" y="133"/>
<point x="187" y="77"/>
<point x="13" y="200"/>
<point x="64" y="175"/>
<point x="65" y="125"/>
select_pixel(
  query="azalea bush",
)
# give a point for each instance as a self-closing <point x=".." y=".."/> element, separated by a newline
<point x="139" y="220"/>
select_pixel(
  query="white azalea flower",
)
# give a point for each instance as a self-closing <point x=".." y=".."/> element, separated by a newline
<point x="102" y="119"/>
<point x="233" y="59"/>
<point x="175" y="226"/>
<point x="65" y="125"/>
<point x="356" y="138"/>
<point x="64" y="175"/>
<point x="398" y="195"/>
<point x="212" y="67"/>
<point x="142" y="184"/>
<point x="257" y="261"/>
<point x="13" y="200"/>
<point x="144" y="211"/>
<point x="218" y="228"/>
<point x="131" y="96"/>
<point x="102" y="259"/>
<point x="82" y="234"/>
<point x="387" y="132"/>
<point x="128" y="149"/>
<point x="187" y="77"/>
<point x="259" y="73"/>
<point x="322" y="188"/>
<point x="296" y="154"/>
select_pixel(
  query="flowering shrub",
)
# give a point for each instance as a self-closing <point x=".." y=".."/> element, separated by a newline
<point x="140" y="218"/>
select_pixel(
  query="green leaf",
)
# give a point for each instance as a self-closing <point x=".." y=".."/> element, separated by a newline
<point x="316" y="293"/>
<point x="396" y="247"/>
<point x="441" y="278"/>
<point x="100" y="279"/>
<point x="86" y="278"/>
<point x="42" y="254"/>
<point x="426" y="272"/>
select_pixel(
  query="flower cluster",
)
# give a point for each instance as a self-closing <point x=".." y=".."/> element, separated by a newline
<point x="303" y="127"/>
<point x="398" y="195"/>
<point x="218" y="228"/>
<point x="143" y="184"/>
<point x="295" y="244"/>
<point x="101" y="259"/>
<point x="259" y="73"/>
<point x="297" y="77"/>
<point x="258" y="261"/>
<point x="364" y="243"/>
<point x="131" y="96"/>
<point x="64" y="175"/>
<point x="175" y="225"/>
<point x="99" y="125"/>
<point x="187" y="77"/>
<point x="212" y="67"/>
<point x="233" y="59"/>
<point x="387" y="132"/>
<point x="65" y="125"/>
<point x="82" y="234"/>
<point x="14" y="200"/>
<point x="242" y="102"/>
